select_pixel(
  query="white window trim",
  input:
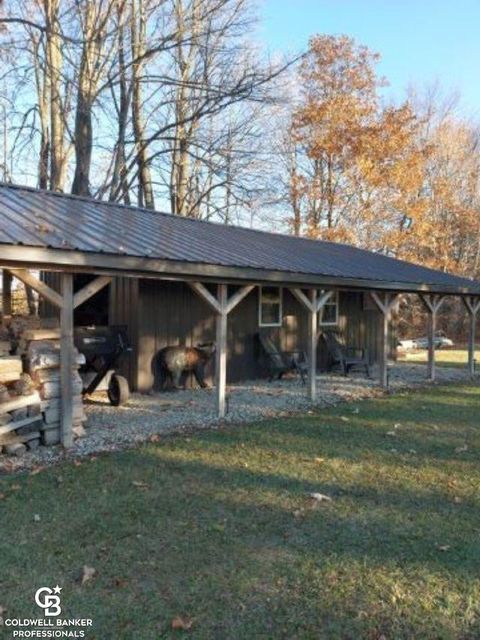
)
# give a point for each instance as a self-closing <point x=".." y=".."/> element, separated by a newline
<point x="260" y="301"/>
<point x="333" y="299"/>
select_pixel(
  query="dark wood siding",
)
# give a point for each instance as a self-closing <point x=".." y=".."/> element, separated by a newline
<point x="169" y="313"/>
<point x="124" y="310"/>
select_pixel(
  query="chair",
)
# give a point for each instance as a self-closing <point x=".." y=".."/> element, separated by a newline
<point x="345" y="357"/>
<point x="278" y="362"/>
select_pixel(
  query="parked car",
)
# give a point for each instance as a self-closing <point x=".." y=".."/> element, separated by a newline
<point x="440" y="341"/>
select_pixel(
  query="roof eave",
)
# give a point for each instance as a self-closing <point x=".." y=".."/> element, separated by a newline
<point x="79" y="261"/>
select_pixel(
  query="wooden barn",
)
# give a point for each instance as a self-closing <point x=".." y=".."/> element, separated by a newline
<point x="179" y="281"/>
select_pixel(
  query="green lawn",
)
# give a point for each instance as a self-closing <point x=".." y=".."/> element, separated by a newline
<point x="217" y="528"/>
<point x="443" y="357"/>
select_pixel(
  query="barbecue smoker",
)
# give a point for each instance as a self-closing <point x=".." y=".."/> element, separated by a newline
<point x="102" y="348"/>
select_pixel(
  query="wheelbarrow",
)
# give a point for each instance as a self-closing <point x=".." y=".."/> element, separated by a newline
<point x="102" y="348"/>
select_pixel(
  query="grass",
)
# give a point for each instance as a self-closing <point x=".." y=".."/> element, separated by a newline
<point x="443" y="357"/>
<point x="217" y="528"/>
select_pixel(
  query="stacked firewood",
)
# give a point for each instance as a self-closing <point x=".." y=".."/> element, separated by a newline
<point x="30" y="406"/>
<point x="20" y="407"/>
<point x="42" y="362"/>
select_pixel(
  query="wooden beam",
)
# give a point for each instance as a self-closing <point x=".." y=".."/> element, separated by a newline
<point x="90" y="290"/>
<point x="312" y="345"/>
<point x="238" y="297"/>
<point x="432" y="303"/>
<point x="323" y="299"/>
<point x="40" y="287"/>
<point x="66" y="360"/>
<point x="313" y="304"/>
<point x="7" y="293"/>
<point x="302" y="298"/>
<point x="385" y="303"/>
<point x="222" y="307"/>
<point x="136" y="266"/>
<point x="472" y="305"/>
<point x="221" y="351"/>
<point x="204" y="293"/>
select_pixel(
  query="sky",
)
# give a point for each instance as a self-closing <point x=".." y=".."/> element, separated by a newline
<point x="420" y="41"/>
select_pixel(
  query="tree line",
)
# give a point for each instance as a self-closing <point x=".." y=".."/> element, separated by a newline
<point x="174" y="105"/>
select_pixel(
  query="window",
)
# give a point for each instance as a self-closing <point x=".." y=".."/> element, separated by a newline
<point x="329" y="312"/>
<point x="270" y="307"/>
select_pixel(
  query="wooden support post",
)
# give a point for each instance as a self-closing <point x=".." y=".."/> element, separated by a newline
<point x="221" y="353"/>
<point x="66" y="360"/>
<point x="7" y="293"/>
<point x="222" y="307"/>
<point x="472" y="305"/>
<point x="432" y="304"/>
<point x="313" y="304"/>
<point x="385" y="303"/>
<point x="312" y="346"/>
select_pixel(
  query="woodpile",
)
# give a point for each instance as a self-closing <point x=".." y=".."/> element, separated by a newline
<point x="30" y="407"/>
<point x="42" y="362"/>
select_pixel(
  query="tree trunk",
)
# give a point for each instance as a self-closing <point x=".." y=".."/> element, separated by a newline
<point x="138" y="28"/>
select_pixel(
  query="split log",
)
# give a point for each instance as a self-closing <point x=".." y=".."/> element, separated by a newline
<point x="53" y="414"/>
<point x="40" y="334"/>
<point x="48" y="358"/>
<point x="10" y="368"/>
<point x="50" y="437"/>
<point x="21" y="424"/>
<point x="15" y="449"/>
<point x="19" y="402"/>
<point x="42" y="376"/>
<point x="52" y="389"/>
<point x="13" y="438"/>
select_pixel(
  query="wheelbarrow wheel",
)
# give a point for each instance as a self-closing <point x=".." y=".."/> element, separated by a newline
<point x="118" y="390"/>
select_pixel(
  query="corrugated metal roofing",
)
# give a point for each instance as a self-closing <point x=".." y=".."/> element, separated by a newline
<point x="38" y="218"/>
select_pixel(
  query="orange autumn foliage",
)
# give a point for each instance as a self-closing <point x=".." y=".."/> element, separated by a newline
<point x="384" y="178"/>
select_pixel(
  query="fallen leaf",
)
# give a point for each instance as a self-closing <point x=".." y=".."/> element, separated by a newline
<point x="36" y="470"/>
<point x="87" y="574"/>
<point x="319" y="497"/>
<point x="319" y="460"/>
<point x="179" y="623"/>
<point x="140" y="484"/>
<point x="120" y="582"/>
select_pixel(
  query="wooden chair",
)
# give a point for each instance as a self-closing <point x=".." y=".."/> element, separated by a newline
<point x="345" y="357"/>
<point x="278" y="362"/>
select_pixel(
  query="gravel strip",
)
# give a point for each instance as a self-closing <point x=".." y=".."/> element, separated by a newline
<point x="111" y="428"/>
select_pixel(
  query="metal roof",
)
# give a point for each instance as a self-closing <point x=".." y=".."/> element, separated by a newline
<point x="35" y="218"/>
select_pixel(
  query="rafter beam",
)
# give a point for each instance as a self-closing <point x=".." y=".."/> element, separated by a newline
<point x="40" y="287"/>
<point x="321" y="300"/>
<point x="90" y="290"/>
<point x="238" y="297"/>
<point x="205" y="294"/>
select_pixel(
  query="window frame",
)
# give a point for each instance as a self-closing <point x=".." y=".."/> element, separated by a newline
<point x="334" y="300"/>
<point x="280" y="305"/>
